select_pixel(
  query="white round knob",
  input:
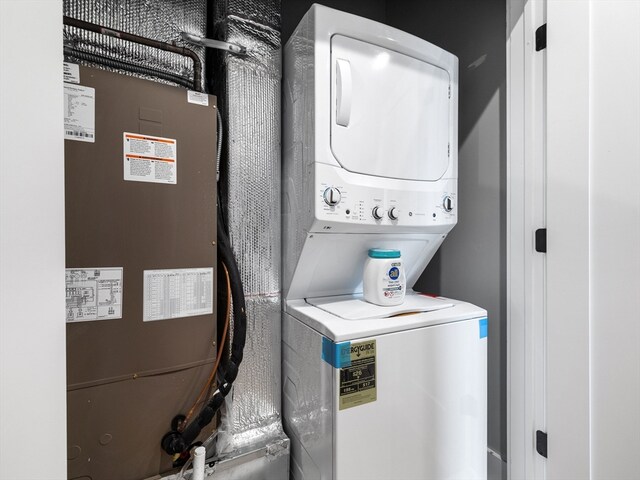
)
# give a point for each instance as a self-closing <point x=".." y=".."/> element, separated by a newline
<point x="393" y="213"/>
<point x="447" y="204"/>
<point x="332" y="196"/>
<point x="377" y="213"/>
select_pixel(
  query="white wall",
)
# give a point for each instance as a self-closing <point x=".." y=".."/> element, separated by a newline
<point x="32" y="318"/>
<point x="614" y="230"/>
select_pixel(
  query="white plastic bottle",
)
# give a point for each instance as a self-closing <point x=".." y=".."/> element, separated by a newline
<point x="384" y="280"/>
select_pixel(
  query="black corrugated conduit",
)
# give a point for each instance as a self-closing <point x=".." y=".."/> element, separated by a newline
<point x="176" y="442"/>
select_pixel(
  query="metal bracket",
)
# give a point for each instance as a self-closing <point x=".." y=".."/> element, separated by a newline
<point x="217" y="44"/>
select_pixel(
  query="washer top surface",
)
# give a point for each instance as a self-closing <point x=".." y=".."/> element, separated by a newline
<point x="327" y="315"/>
<point x="354" y="307"/>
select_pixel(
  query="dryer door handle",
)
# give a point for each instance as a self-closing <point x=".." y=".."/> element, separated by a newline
<point x="343" y="92"/>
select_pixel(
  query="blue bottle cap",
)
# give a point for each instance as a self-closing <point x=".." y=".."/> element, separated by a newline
<point x="383" y="253"/>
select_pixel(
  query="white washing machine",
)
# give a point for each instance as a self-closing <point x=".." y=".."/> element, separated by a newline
<point x="385" y="398"/>
<point x="370" y="161"/>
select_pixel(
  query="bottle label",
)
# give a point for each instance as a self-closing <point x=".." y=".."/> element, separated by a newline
<point x="393" y="292"/>
<point x="394" y="273"/>
<point x="384" y="281"/>
<point x="393" y="286"/>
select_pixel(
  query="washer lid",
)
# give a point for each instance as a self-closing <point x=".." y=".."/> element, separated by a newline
<point x="353" y="307"/>
<point x="390" y="113"/>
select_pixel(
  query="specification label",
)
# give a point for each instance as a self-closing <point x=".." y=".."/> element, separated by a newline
<point x="358" y="381"/>
<point x="150" y="159"/>
<point x="79" y="113"/>
<point x="177" y="293"/>
<point x="198" y="98"/>
<point x="71" y="72"/>
<point x="93" y="294"/>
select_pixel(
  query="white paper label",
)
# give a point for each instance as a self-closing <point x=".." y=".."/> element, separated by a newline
<point x="93" y="294"/>
<point x="79" y="113"/>
<point x="198" y="98"/>
<point x="150" y="159"/>
<point x="70" y="72"/>
<point x="177" y="293"/>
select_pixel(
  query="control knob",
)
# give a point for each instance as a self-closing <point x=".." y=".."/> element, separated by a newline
<point x="447" y="204"/>
<point x="377" y="213"/>
<point x="393" y="213"/>
<point x="332" y="196"/>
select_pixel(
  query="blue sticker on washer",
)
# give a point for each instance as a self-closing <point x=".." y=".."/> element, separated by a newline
<point x="484" y="327"/>
<point x="337" y="355"/>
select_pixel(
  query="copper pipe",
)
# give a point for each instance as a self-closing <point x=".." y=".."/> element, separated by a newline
<point x="185" y="52"/>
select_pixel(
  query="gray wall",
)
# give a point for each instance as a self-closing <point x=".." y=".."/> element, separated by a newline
<point x="471" y="264"/>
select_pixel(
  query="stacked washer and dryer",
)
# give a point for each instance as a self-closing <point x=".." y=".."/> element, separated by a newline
<point x="370" y="161"/>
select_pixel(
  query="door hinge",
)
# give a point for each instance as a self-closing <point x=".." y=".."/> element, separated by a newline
<point x="449" y="90"/>
<point x="448" y="149"/>
<point x="541" y="443"/>
<point x="541" y="240"/>
<point x="541" y="37"/>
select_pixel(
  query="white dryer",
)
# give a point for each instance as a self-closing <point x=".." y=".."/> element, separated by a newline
<point x="370" y="161"/>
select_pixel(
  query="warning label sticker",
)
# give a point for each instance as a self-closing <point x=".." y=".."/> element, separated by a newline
<point x="358" y="381"/>
<point x="93" y="294"/>
<point x="79" y="113"/>
<point x="150" y="159"/>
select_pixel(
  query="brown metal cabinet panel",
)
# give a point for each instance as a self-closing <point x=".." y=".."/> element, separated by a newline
<point x="127" y="378"/>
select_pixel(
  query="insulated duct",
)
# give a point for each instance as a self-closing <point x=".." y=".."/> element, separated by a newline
<point x="157" y="20"/>
<point x="250" y="98"/>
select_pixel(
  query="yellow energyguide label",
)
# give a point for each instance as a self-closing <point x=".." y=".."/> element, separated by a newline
<point x="358" y="381"/>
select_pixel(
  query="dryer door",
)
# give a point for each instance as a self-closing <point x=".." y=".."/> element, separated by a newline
<point x="390" y="113"/>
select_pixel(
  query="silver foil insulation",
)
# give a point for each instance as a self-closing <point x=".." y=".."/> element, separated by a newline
<point x="250" y="101"/>
<point x="158" y="20"/>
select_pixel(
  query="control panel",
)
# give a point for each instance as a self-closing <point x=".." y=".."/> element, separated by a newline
<point x="374" y="201"/>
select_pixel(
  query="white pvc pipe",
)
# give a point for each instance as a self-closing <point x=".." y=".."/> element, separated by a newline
<point x="198" y="463"/>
